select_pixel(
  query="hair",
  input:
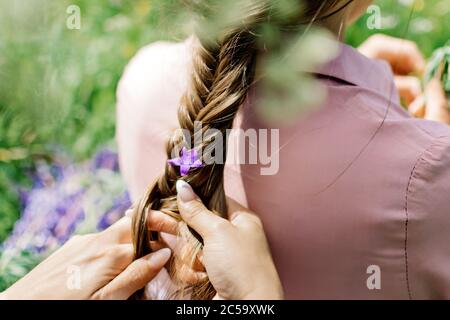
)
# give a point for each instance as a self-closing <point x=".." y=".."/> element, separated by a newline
<point x="223" y="70"/>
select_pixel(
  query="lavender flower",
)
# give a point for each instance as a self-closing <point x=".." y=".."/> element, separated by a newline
<point x="120" y="205"/>
<point x="106" y="159"/>
<point x="67" y="199"/>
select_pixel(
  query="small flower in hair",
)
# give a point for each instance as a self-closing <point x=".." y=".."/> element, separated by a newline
<point x="188" y="159"/>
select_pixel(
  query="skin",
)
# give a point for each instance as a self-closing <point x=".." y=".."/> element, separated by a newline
<point x="357" y="9"/>
<point x="406" y="60"/>
<point x="105" y="264"/>
<point x="236" y="255"/>
<point x="235" y="250"/>
<point x="246" y="269"/>
<point x="338" y="22"/>
<point x="437" y="108"/>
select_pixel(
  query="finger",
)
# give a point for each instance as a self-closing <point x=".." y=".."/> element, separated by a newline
<point x="415" y="60"/>
<point x="171" y="241"/>
<point x="409" y="88"/>
<point x="157" y="245"/>
<point x="404" y="56"/>
<point x="436" y="102"/>
<point x="187" y="275"/>
<point x="135" y="276"/>
<point x="194" y="213"/>
<point x="238" y="214"/>
<point x="161" y="222"/>
<point x="123" y="254"/>
<point x="181" y="248"/>
<point x="417" y="107"/>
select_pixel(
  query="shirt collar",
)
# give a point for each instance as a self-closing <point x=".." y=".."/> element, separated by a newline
<point x="355" y="68"/>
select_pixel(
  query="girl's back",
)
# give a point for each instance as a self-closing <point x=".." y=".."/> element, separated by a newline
<point x="357" y="190"/>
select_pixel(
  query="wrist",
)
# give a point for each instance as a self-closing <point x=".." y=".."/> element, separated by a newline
<point x="268" y="293"/>
<point x="265" y="295"/>
<point x="267" y="288"/>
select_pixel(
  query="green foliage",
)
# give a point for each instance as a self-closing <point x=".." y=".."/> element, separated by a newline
<point x="439" y="66"/>
<point x="57" y="86"/>
<point x="9" y="200"/>
<point x="427" y="25"/>
<point x="14" y="266"/>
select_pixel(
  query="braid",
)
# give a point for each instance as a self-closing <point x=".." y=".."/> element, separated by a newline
<point x="222" y="74"/>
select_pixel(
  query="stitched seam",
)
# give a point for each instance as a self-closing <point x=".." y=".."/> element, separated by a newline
<point x="419" y="160"/>
<point x="410" y="180"/>
<point x="405" y="248"/>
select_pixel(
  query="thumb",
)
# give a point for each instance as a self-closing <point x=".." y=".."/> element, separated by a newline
<point x="194" y="212"/>
<point x="136" y="275"/>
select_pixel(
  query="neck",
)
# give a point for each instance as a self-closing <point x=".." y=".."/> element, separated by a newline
<point x="336" y="24"/>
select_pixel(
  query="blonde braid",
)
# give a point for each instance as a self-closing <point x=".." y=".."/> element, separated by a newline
<point x="222" y="74"/>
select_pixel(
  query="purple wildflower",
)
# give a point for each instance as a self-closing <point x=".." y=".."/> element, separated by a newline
<point x="120" y="205"/>
<point x="189" y="159"/>
<point x="68" y="198"/>
<point x="106" y="159"/>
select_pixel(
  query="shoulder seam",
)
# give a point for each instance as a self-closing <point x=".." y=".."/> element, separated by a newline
<point x="410" y="180"/>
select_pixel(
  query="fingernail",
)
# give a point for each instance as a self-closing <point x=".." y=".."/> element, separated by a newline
<point x="160" y="257"/>
<point x="185" y="192"/>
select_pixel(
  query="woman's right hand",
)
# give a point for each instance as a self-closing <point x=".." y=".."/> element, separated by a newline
<point x="407" y="63"/>
<point x="236" y="254"/>
<point x="403" y="55"/>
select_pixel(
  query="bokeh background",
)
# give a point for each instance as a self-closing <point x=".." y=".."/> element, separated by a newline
<point x="58" y="166"/>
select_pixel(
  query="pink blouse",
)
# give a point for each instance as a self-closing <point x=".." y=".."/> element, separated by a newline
<point x="360" y="205"/>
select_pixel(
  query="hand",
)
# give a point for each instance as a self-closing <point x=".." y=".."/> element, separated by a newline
<point x="236" y="255"/>
<point x="405" y="59"/>
<point x="437" y="108"/>
<point x="432" y="104"/>
<point x="409" y="89"/>
<point x="403" y="55"/>
<point x="95" y="266"/>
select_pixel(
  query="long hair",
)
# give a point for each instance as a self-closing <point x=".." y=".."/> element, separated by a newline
<point x="223" y="70"/>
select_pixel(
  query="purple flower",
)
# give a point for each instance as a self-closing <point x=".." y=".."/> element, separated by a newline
<point x="106" y="159"/>
<point x="67" y="198"/>
<point x="120" y="205"/>
<point x="189" y="159"/>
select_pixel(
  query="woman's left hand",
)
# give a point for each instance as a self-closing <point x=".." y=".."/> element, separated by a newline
<point x="94" y="266"/>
